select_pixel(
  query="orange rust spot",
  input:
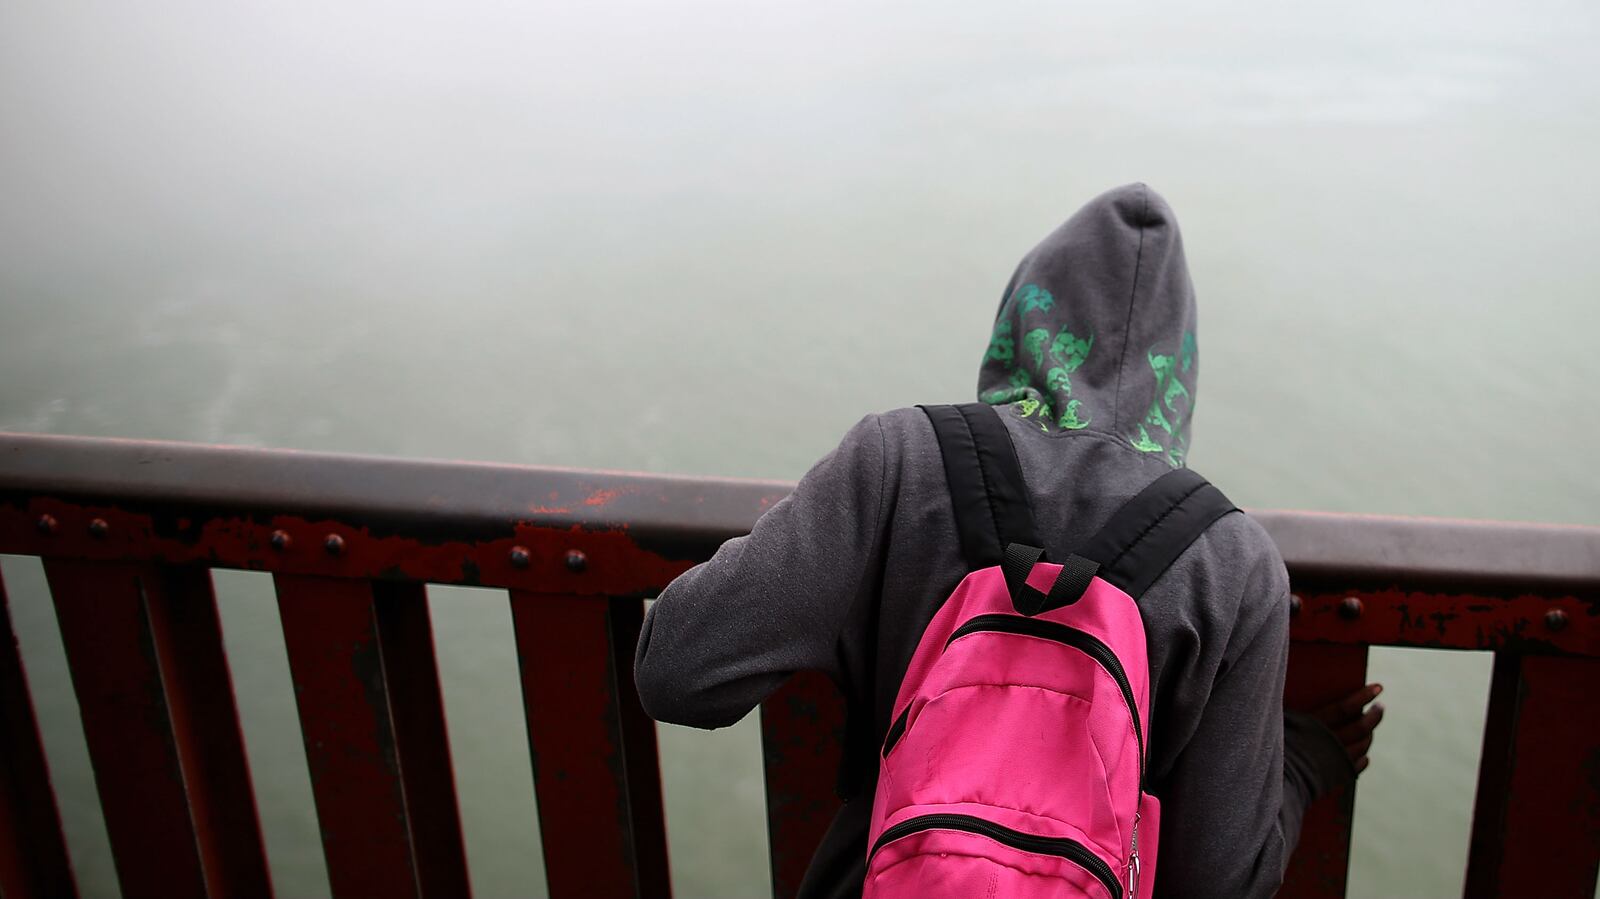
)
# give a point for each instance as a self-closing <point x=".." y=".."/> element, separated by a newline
<point x="603" y="497"/>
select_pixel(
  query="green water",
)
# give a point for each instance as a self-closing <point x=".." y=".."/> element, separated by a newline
<point x="707" y="237"/>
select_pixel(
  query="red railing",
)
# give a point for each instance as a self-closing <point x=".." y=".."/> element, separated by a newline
<point x="129" y="530"/>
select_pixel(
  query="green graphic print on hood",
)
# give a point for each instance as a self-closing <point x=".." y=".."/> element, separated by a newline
<point x="1170" y="407"/>
<point x="1048" y="361"/>
<point x="1096" y="331"/>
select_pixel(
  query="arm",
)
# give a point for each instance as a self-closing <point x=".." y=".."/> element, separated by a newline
<point x="728" y="632"/>
<point x="1235" y="798"/>
<point x="1325" y="749"/>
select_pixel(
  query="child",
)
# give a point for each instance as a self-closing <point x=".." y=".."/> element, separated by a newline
<point x="1092" y="364"/>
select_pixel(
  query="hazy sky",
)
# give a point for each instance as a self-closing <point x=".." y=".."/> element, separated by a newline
<point x="240" y="131"/>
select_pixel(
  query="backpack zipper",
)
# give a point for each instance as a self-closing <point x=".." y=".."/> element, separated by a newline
<point x="1061" y="847"/>
<point x="1089" y="644"/>
<point x="896" y="731"/>
<point x="1133" y="860"/>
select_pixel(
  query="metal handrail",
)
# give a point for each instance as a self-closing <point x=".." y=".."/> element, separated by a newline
<point x="691" y="515"/>
<point x="128" y="530"/>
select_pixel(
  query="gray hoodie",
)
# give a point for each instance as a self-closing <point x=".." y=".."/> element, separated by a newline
<point x="1094" y="356"/>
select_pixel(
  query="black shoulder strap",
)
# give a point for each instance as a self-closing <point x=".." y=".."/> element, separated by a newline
<point x="980" y="464"/>
<point x="1150" y="531"/>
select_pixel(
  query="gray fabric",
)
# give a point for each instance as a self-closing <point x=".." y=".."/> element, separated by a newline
<point x="844" y="574"/>
<point x="1096" y="330"/>
<point x="1313" y="758"/>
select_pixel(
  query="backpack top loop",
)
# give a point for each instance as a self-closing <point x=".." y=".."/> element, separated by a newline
<point x="1069" y="586"/>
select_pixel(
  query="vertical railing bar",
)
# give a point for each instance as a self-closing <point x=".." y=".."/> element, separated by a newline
<point x="127" y="724"/>
<point x="33" y="850"/>
<point x="802" y="740"/>
<point x="372" y="718"/>
<point x="590" y="761"/>
<point x="641" y="759"/>
<point x="410" y="671"/>
<point x="1547" y="805"/>
<point x="331" y="634"/>
<point x="1487" y="844"/>
<point x="187" y="633"/>
<point x="1319" y="674"/>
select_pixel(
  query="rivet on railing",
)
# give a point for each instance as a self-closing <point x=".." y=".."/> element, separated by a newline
<point x="576" y="560"/>
<point x="47" y="524"/>
<point x="1350" y="608"/>
<point x="1556" y="620"/>
<point x="1294" y="605"/>
<point x="520" y="557"/>
<point x="98" y="527"/>
<point x="334" y="544"/>
<point x="280" y="540"/>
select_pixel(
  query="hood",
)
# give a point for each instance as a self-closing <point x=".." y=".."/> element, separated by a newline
<point x="1096" y="330"/>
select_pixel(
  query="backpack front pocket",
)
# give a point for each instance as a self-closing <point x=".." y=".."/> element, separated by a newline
<point x="959" y="855"/>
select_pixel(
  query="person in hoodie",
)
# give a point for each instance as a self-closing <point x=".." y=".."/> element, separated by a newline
<point x="1094" y="357"/>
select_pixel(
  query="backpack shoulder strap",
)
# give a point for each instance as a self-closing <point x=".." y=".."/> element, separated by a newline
<point x="986" y="486"/>
<point x="1150" y="531"/>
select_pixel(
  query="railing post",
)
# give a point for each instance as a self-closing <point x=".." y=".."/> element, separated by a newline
<point x="802" y="738"/>
<point x="1536" y="820"/>
<point x="33" y="853"/>
<point x="163" y="735"/>
<point x="366" y="684"/>
<point x="1319" y="674"/>
<point x="595" y="767"/>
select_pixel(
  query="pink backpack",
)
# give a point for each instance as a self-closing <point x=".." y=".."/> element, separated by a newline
<point x="1014" y="766"/>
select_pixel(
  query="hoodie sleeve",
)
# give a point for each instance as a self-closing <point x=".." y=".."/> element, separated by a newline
<point x="728" y="632"/>
<point x="1231" y="812"/>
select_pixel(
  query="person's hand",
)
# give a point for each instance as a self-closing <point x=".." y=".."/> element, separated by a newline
<point x="1352" y="725"/>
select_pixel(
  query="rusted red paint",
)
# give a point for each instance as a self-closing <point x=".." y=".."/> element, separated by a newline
<point x="1318" y="675"/>
<point x="1536" y="822"/>
<point x="802" y="737"/>
<point x="1495" y="764"/>
<point x="641" y="759"/>
<point x="601" y="825"/>
<point x="346" y="699"/>
<point x="111" y="653"/>
<point x="1396" y="616"/>
<point x="618" y="566"/>
<point x="33" y="853"/>
<point x="411" y="679"/>
<point x="187" y="635"/>
<point x="603" y="497"/>
<point x="686" y="517"/>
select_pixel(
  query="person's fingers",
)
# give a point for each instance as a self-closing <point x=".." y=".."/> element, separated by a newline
<point x="1374" y="716"/>
<point x="1352" y="726"/>
<point x="1362" y="727"/>
<point x="1351" y="705"/>
<point x="1341" y="711"/>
